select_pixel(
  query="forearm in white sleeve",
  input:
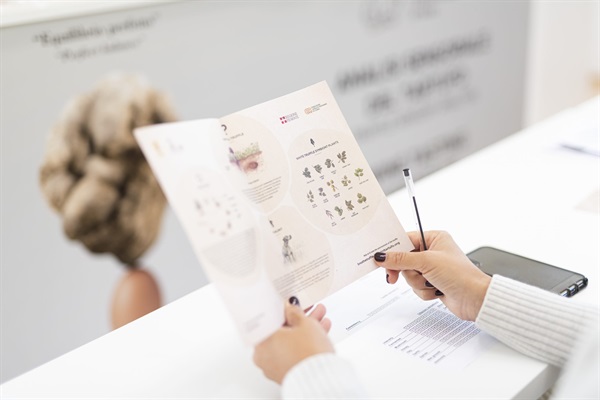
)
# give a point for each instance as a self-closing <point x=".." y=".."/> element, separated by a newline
<point x="533" y="321"/>
<point x="323" y="376"/>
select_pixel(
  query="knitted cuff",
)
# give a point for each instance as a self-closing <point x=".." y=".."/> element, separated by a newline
<point x="536" y="322"/>
<point x="322" y="376"/>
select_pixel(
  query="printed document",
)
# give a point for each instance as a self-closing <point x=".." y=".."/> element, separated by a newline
<point x="278" y="202"/>
<point x="585" y="140"/>
<point x="396" y="319"/>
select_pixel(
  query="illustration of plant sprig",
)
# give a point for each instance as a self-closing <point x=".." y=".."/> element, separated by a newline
<point x="332" y="185"/>
<point x="358" y="172"/>
<point x="345" y="181"/>
<point x="339" y="210"/>
<point x="349" y="205"/>
<point x="329" y="163"/>
<point x="342" y="156"/>
<point x="318" y="168"/>
<point x="310" y="196"/>
<point x="361" y="198"/>
<point x="322" y="192"/>
<point x="306" y="172"/>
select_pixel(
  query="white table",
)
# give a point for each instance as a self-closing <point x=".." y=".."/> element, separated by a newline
<point x="522" y="194"/>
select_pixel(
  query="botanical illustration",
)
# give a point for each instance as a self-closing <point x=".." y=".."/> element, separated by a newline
<point x="331" y="184"/>
<point x="249" y="159"/>
<point x="358" y="172"/>
<point x="349" y="205"/>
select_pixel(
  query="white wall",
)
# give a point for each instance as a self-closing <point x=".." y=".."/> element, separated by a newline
<point x="564" y="56"/>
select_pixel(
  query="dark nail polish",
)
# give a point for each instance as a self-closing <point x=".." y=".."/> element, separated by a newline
<point x="294" y="301"/>
<point x="379" y="256"/>
<point x="438" y="293"/>
<point x="427" y="284"/>
<point x="387" y="278"/>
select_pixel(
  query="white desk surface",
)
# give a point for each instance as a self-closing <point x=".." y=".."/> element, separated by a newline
<point x="522" y="194"/>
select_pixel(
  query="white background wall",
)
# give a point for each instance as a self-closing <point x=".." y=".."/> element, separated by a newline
<point x="564" y="58"/>
<point x="563" y="69"/>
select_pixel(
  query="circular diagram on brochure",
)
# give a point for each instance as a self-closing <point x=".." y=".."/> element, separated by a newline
<point x="219" y="225"/>
<point x="332" y="184"/>
<point x="306" y="270"/>
<point x="254" y="151"/>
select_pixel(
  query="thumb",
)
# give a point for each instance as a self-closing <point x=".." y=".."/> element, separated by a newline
<point x="401" y="261"/>
<point x="293" y="315"/>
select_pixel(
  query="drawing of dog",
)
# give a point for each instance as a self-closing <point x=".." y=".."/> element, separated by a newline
<point x="288" y="254"/>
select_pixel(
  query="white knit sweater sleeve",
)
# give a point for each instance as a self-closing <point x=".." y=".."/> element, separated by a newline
<point x="323" y="376"/>
<point x="533" y="321"/>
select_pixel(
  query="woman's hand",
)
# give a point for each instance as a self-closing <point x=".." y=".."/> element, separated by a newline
<point x="301" y="337"/>
<point x="443" y="271"/>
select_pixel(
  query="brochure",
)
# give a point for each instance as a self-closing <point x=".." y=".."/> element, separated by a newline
<point x="278" y="202"/>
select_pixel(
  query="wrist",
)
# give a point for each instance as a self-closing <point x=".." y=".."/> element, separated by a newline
<point x="481" y="287"/>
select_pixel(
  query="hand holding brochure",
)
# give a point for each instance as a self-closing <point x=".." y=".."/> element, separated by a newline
<point x="277" y="201"/>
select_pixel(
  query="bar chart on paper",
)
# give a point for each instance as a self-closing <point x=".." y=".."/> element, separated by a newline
<point x="395" y="318"/>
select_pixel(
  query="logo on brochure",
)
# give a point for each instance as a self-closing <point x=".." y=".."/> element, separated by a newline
<point x="288" y="118"/>
<point x="315" y="108"/>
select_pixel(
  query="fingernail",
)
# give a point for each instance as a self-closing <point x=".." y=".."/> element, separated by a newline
<point x="387" y="278"/>
<point x="428" y="284"/>
<point x="379" y="256"/>
<point x="438" y="293"/>
<point x="294" y="301"/>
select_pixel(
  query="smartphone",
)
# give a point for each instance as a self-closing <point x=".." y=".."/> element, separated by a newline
<point x="557" y="280"/>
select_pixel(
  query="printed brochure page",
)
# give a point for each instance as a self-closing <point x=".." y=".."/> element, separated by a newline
<point x="278" y="202"/>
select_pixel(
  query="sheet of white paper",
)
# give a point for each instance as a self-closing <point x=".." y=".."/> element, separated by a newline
<point x="584" y="139"/>
<point x="230" y="239"/>
<point x="394" y="317"/>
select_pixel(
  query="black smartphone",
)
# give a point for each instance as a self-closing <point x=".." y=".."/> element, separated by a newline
<point x="557" y="280"/>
